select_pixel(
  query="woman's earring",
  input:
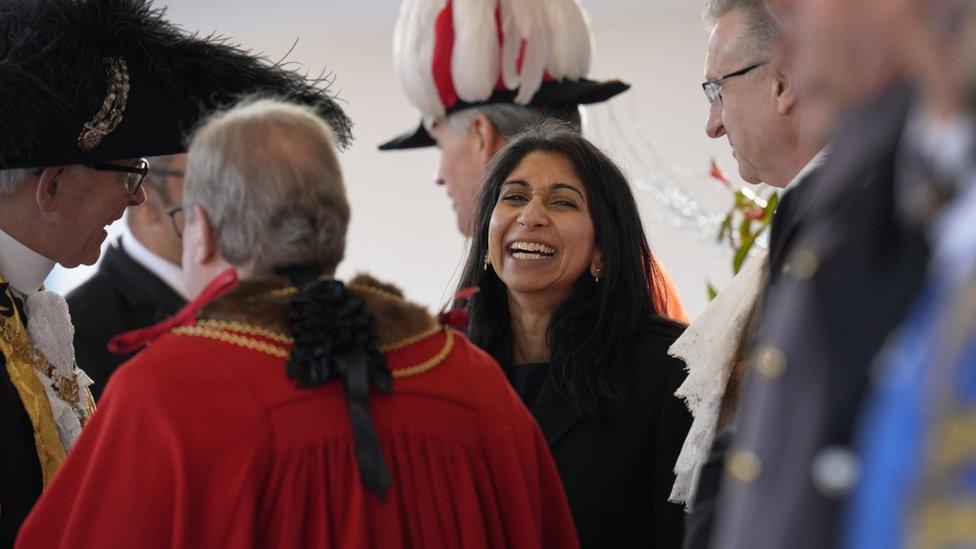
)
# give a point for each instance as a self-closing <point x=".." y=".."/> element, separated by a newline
<point x="487" y="262"/>
<point x="596" y="271"/>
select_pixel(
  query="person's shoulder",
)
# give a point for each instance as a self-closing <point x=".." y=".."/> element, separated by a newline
<point x="464" y="374"/>
<point x="657" y="333"/>
<point x="94" y="291"/>
<point x="463" y="370"/>
<point x="650" y="350"/>
<point x="171" y="365"/>
<point x="185" y="377"/>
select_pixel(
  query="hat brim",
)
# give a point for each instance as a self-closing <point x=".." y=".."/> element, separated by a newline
<point x="415" y="139"/>
<point x="555" y="95"/>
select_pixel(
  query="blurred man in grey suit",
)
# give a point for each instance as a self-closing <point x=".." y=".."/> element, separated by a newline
<point x="855" y="270"/>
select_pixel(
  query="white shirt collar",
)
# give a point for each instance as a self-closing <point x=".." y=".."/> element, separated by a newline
<point x="21" y="266"/>
<point x="166" y="271"/>
<point x="814" y="163"/>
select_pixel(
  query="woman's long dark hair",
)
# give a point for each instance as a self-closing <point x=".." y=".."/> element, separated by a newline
<point x="589" y="333"/>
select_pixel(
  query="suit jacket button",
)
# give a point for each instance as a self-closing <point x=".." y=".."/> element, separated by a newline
<point x="835" y="470"/>
<point x="803" y="264"/>
<point x="770" y="362"/>
<point x="744" y="466"/>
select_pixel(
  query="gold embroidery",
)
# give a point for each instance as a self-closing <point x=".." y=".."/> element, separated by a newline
<point x="283" y="292"/>
<point x="16" y="350"/>
<point x="223" y="331"/>
<point x="430" y="363"/>
<point x="410" y="340"/>
<point x="233" y="339"/>
<point x="246" y="329"/>
<point x="376" y="291"/>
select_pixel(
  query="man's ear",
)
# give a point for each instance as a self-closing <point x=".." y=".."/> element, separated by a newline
<point x="200" y="232"/>
<point x="784" y="92"/>
<point x="153" y="210"/>
<point x="489" y="139"/>
<point x="49" y="187"/>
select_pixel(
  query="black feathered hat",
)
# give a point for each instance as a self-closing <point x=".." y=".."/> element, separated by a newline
<point x="93" y="80"/>
<point x="457" y="55"/>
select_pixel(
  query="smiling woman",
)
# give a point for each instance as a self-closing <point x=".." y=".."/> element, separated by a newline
<point x="568" y="307"/>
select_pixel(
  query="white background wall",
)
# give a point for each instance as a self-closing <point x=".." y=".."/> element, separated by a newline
<point x="403" y="226"/>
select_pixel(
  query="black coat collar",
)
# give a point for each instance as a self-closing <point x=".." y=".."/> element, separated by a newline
<point x="555" y="413"/>
<point x="137" y="284"/>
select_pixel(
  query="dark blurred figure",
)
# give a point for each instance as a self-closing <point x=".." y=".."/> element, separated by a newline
<point x="849" y="280"/>
<point x="917" y="443"/>
<point x="138" y="282"/>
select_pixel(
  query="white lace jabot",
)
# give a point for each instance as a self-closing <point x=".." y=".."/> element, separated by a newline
<point x="707" y="348"/>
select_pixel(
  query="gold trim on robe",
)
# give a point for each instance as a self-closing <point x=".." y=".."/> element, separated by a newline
<point x="16" y="348"/>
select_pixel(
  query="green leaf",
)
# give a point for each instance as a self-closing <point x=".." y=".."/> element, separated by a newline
<point x="745" y="230"/>
<point x="743" y="252"/>
<point x="743" y="202"/>
<point x="726" y="225"/>
<point x="772" y="202"/>
<point x="710" y="291"/>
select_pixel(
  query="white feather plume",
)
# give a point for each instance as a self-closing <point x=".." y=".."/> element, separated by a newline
<point x="571" y="41"/>
<point x="413" y="54"/>
<point x="475" y="60"/>
<point x="512" y="43"/>
<point x="556" y="37"/>
<point x="531" y="19"/>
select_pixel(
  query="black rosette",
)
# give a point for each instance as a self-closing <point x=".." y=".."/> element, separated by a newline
<point x="335" y="338"/>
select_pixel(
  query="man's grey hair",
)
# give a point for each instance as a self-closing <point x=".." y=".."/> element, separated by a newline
<point x="511" y="120"/>
<point x="267" y="174"/>
<point x="760" y="32"/>
<point x="11" y="180"/>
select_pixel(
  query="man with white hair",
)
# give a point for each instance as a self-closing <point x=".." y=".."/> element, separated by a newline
<point x="88" y="89"/>
<point x="138" y="281"/>
<point x="755" y="105"/>
<point x="283" y="408"/>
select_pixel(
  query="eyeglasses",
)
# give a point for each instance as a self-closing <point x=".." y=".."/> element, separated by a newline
<point x="713" y="87"/>
<point x="136" y="174"/>
<point x="168" y="173"/>
<point x="176" y="216"/>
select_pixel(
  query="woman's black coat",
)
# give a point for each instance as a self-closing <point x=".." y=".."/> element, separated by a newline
<point x="618" y="473"/>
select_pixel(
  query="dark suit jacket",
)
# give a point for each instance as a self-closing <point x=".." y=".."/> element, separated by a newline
<point x="618" y="474"/>
<point x="789" y="218"/>
<point x="122" y="295"/>
<point x="853" y="272"/>
<point x="701" y="520"/>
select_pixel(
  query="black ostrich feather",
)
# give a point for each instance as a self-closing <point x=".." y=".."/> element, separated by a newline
<point x="52" y="78"/>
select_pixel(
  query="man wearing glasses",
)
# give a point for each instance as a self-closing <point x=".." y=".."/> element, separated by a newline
<point x="71" y="162"/>
<point x="753" y="103"/>
<point x="139" y="281"/>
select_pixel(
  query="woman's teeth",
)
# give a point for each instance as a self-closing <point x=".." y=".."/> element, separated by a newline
<point x="530" y="250"/>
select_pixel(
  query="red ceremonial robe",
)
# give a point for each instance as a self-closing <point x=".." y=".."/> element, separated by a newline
<point x="202" y="441"/>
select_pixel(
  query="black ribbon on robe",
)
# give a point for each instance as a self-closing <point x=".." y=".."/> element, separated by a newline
<point x="334" y="338"/>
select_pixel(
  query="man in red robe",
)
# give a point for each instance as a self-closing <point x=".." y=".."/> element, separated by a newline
<point x="286" y="409"/>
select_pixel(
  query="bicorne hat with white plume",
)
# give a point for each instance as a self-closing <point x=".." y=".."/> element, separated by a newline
<point x="456" y="54"/>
